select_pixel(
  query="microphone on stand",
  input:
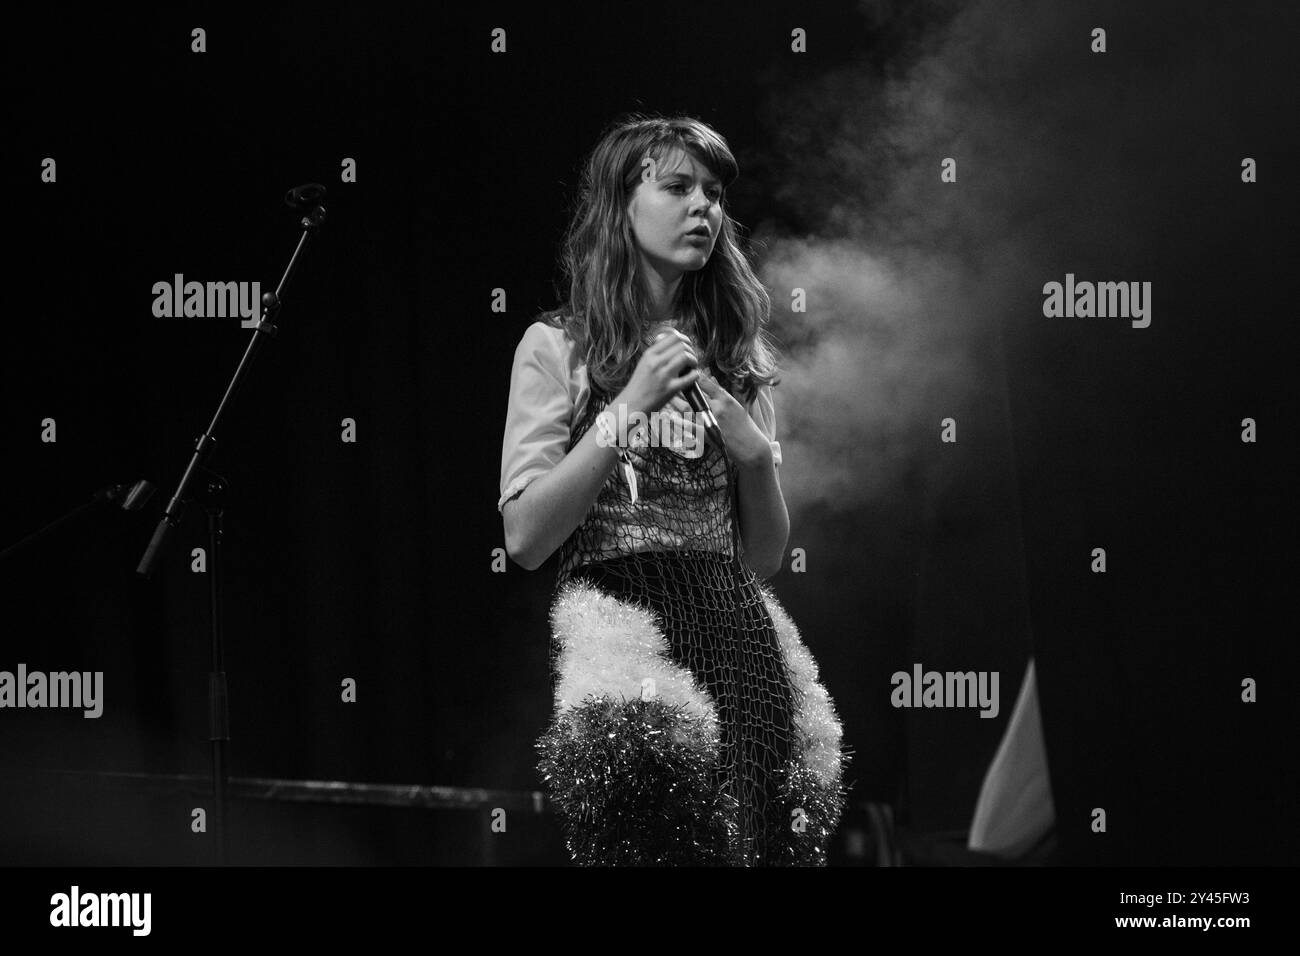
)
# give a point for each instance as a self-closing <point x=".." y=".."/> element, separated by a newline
<point x="129" y="497"/>
<point x="305" y="195"/>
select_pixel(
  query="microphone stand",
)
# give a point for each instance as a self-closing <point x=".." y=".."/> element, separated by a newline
<point x="212" y="499"/>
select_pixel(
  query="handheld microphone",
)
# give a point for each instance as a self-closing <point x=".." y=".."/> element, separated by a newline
<point x="695" y="397"/>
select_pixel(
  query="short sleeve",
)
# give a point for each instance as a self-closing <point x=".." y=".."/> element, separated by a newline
<point x="539" y="412"/>
<point x="763" y="412"/>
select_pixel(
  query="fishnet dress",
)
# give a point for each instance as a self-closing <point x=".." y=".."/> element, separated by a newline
<point x="674" y="552"/>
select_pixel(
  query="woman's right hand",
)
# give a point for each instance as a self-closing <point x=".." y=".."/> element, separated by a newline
<point x="666" y="367"/>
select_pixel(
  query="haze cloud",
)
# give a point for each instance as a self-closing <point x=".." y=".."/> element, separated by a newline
<point x="1067" y="160"/>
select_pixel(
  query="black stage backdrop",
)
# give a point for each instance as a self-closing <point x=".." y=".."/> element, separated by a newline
<point x="377" y="559"/>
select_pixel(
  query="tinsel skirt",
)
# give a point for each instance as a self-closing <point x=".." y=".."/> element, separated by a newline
<point x="690" y="727"/>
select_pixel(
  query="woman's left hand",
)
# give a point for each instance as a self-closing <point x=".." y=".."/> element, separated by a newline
<point x="746" y="443"/>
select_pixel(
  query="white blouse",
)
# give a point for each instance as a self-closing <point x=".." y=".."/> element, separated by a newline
<point x="548" y="392"/>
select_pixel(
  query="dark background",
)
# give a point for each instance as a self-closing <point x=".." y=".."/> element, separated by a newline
<point x="374" y="560"/>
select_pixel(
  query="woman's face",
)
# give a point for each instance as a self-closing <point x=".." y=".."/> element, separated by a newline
<point x="662" y="212"/>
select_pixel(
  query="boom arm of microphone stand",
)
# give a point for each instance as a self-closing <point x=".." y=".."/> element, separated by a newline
<point x="271" y="302"/>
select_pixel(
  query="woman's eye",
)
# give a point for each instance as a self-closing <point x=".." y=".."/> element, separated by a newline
<point x="714" y="195"/>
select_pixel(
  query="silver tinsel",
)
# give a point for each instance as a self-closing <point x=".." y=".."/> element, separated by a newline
<point x="634" y="776"/>
<point x="634" y="781"/>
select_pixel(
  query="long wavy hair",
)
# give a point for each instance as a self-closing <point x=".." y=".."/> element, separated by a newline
<point x="723" y="305"/>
